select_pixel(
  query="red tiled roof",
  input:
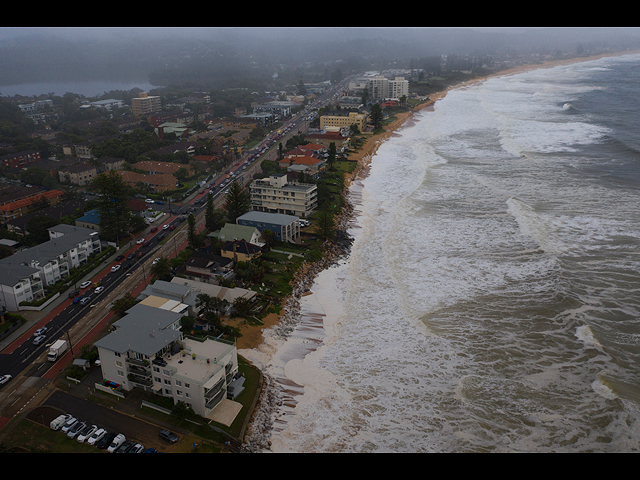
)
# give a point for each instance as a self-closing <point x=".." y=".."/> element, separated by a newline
<point x="10" y="207"/>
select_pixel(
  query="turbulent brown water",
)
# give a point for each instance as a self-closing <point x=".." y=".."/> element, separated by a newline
<point x="491" y="301"/>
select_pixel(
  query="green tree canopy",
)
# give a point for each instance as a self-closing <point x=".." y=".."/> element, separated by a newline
<point x="113" y="198"/>
<point x="238" y="202"/>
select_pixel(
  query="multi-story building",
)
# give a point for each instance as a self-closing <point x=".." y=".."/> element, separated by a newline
<point x="24" y="275"/>
<point x="20" y="208"/>
<point x="343" y="119"/>
<point x="20" y="160"/>
<point x="80" y="174"/>
<point x="382" y="88"/>
<point x="147" y="350"/>
<point x="276" y="195"/>
<point x="146" y="105"/>
<point x="19" y="283"/>
<point x="286" y="227"/>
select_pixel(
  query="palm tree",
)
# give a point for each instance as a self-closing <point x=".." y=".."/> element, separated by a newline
<point x="161" y="270"/>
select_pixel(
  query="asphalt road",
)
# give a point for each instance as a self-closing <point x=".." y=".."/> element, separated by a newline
<point x="27" y="363"/>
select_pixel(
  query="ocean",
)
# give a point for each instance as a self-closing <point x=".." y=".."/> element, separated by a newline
<point x="491" y="300"/>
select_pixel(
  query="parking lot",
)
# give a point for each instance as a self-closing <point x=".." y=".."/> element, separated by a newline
<point x="114" y="421"/>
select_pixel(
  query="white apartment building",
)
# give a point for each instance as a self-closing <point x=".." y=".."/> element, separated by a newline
<point x="147" y="350"/>
<point x="277" y="195"/>
<point x="381" y="88"/>
<point x="19" y="283"/>
<point x="68" y="248"/>
<point x="24" y="275"/>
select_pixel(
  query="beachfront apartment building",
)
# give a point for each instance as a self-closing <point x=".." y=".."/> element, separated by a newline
<point x="146" y="105"/>
<point x="382" y="88"/>
<point x="277" y="195"/>
<point x="343" y="119"/>
<point x="147" y="350"/>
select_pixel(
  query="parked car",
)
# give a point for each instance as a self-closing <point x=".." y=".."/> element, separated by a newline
<point x="115" y="268"/>
<point x="5" y="379"/>
<point x="96" y="436"/>
<point x="74" y="294"/>
<point x="76" y="429"/>
<point x="106" y="441"/>
<point x="137" y="448"/>
<point x="140" y="241"/>
<point x="59" y="422"/>
<point x="156" y="261"/>
<point x="119" y="258"/>
<point x="125" y="447"/>
<point x="116" y="443"/>
<point x="154" y="229"/>
<point x="68" y="425"/>
<point x="85" y="285"/>
<point x="168" y="436"/>
<point x="149" y="201"/>
<point x="39" y="340"/>
<point x="86" y="433"/>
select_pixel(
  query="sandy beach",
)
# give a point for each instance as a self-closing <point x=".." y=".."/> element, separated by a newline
<point x="253" y="336"/>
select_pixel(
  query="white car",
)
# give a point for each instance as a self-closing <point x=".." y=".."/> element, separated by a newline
<point x="59" y="422"/>
<point x="96" y="436"/>
<point x="76" y="430"/>
<point x="115" y="268"/>
<point x="4" y="379"/>
<point x="166" y="227"/>
<point x="40" y="332"/>
<point x="85" y="285"/>
<point x="117" y="442"/>
<point x="39" y="340"/>
<point x="68" y="424"/>
<point x="149" y="201"/>
<point x="156" y="261"/>
<point x="140" y="241"/>
<point x="98" y="290"/>
<point x="86" y="433"/>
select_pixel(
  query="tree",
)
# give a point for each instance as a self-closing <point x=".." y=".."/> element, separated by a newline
<point x="333" y="153"/>
<point x="191" y="232"/>
<point x="238" y="202"/>
<point x="376" y="116"/>
<point x="161" y="270"/>
<point x="326" y="227"/>
<point x="113" y="199"/>
<point x="213" y="217"/>
<point x="121" y="306"/>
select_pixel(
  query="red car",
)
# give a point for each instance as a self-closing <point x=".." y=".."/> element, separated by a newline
<point x="154" y="229"/>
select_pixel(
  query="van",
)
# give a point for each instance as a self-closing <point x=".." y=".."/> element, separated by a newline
<point x="59" y="422"/>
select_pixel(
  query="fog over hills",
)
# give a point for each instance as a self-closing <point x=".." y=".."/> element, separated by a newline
<point x="217" y="54"/>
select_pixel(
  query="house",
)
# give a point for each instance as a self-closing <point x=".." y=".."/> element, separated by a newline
<point x="215" y="291"/>
<point x="206" y="268"/>
<point x="238" y="232"/>
<point x="286" y="227"/>
<point x="240" y="251"/>
<point x="309" y="165"/>
<point x="149" y="351"/>
<point x="326" y="138"/>
<point x="90" y="220"/>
